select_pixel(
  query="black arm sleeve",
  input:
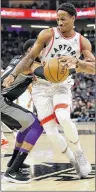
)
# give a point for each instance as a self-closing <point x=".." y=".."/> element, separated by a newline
<point x="40" y="72"/>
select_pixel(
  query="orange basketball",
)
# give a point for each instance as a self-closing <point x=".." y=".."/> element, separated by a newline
<point x="54" y="72"/>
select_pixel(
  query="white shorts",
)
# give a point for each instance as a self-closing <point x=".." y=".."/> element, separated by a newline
<point x="48" y="98"/>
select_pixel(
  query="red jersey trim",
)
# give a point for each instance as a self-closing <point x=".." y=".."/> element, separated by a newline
<point x="80" y="42"/>
<point x="51" y="44"/>
<point x="65" y="37"/>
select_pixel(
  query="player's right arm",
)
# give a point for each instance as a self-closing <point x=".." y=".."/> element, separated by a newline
<point x="43" y="38"/>
<point x="14" y="61"/>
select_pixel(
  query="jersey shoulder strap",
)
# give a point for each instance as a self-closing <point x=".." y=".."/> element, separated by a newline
<point x="16" y="60"/>
<point x="11" y="66"/>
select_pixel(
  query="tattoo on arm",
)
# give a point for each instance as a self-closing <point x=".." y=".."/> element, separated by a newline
<point x="24" y="64"/>
<point x="81" y="63"/>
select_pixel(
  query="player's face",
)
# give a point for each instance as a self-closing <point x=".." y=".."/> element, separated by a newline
<point x="65" y="21"/>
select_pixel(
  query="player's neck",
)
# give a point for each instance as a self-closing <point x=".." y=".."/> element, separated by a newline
<point x="68" y="34"/>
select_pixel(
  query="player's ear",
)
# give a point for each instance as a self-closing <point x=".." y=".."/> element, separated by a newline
<point x="29" y="49"/>
<point x="73" y="18"/>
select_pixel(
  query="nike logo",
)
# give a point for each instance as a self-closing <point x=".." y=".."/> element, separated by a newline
<point x="57" y="38"/>
<point x="13" y="176"/>
<point x="21" y="153"/>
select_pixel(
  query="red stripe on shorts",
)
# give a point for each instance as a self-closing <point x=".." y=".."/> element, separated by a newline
<point x="46" y="119"/>
<point x="58" y="106"/>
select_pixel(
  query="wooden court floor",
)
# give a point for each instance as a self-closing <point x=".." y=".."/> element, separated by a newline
<point x="50" y="169"/>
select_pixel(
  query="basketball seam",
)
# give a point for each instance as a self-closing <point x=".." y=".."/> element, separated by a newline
<point x="63" y="76"/>
<point x="58" y="70"/>
<point x="50" y="73"/>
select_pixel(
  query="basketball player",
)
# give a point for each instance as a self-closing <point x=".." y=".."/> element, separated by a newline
<point x="49" y="97"/>
<point x="29" y="129"/>
<point x="16" y="117"/>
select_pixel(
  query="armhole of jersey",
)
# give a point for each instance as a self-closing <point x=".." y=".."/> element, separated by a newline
<point x="80" y="43"/>
<point x="52" y="40"/>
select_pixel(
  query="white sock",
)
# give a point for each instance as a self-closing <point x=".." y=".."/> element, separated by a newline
<point x="77" y="146"/>
<point x="69" y="154"/>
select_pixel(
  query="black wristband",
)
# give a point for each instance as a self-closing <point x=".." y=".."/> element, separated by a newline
<point x="39" y="72"/>
<point x="72" y="71"/>
<point x="13" y="75"/>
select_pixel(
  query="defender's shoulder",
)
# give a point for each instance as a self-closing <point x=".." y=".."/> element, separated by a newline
<point x="16" y="60"/>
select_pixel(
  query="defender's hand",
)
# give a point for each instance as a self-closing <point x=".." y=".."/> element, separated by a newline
<point x="8" y="81"/>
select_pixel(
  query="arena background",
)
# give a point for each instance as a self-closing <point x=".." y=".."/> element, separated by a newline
<point x="21" y="20"/>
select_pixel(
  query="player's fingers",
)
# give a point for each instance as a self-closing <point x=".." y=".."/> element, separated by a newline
<point x="7" y="86"/>
<point x="63" y="65"/>
<point x="65" y="57"/>
<point x="66" y="62"/>
<point x="62" y="60"/>
<point x="88" y="59"/>
<point x="7" y="83"/>
<point x="71" y="65"/>
<point x="4" y="83"/>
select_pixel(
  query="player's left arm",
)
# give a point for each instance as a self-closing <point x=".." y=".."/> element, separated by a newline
<point x="87" y="49"/>
<point x="84" y="66"/>
<point x="88" y="64"/>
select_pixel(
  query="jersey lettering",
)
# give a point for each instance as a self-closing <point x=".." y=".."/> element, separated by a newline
<point x="61" y="48"/>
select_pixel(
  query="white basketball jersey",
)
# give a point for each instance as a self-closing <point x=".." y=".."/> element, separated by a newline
<point x="60" y="46"/>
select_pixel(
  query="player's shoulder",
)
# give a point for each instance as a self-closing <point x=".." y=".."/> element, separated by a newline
<point x="46" y="33"/>
<point x="83" y="39"/>
<point x="85" y="43"/>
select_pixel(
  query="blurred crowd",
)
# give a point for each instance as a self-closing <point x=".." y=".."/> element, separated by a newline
<point x="45" y="5"/>
<point x="84" y="88"/>
<point x="32" y="5"/>
<point x="80" y="3"/>
<point x="12" y="43"/>
<point x="83" y="92"/>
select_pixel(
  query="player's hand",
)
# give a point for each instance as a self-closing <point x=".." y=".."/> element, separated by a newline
<point x="89" y="60"/>
<point x="8" y="81"/>
<point x="68" y="61"/>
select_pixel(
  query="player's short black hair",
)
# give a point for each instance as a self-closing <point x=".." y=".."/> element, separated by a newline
<point x="29" y="43"/>
<point x="68" y="7"/>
